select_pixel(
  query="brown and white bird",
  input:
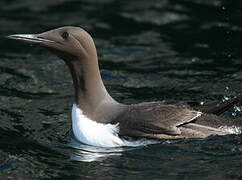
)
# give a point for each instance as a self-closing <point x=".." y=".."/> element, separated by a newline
<point x="99" y="120"/>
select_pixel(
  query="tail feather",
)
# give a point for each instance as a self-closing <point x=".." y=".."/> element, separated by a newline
<point x="216" y="107"/>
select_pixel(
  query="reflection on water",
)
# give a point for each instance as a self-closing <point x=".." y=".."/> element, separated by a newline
<point x="86" y="153"/>
<point x="148" y="50"/>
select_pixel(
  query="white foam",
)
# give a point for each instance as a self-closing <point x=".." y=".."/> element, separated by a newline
<point x="231" y="129"/>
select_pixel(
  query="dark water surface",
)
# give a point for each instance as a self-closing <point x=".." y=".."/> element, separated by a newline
<point x="148" y="50"/>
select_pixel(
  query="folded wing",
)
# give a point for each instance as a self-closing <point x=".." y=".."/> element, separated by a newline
<point x="155" y="118"/>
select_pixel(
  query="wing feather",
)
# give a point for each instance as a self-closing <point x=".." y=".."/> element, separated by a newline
<point x="155" y="118"/>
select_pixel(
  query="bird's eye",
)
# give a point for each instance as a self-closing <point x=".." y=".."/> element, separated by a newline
<point x="65" y="35"/>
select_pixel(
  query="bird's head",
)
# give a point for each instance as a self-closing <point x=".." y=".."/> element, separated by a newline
<point x="68" y="42"/>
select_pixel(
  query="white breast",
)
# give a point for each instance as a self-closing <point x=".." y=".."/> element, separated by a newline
<point x="92" y="133"/>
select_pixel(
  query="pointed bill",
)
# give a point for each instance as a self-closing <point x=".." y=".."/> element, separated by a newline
<point x="31" y="38"/>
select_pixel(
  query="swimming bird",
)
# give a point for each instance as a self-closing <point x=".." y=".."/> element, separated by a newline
<point x="99" y="120"/>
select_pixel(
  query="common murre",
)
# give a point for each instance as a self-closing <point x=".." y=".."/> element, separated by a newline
<point x="99" y="120"/>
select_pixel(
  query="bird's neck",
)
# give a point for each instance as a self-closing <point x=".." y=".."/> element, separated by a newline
<point x="90" y="92"/>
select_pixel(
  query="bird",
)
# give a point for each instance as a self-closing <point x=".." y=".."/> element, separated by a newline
<point x="99" y="120"/>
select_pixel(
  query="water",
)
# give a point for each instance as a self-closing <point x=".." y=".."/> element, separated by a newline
<point x="148" y="50"/>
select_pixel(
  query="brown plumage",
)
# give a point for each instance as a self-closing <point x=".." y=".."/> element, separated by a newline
<point x="164" y="119"/>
